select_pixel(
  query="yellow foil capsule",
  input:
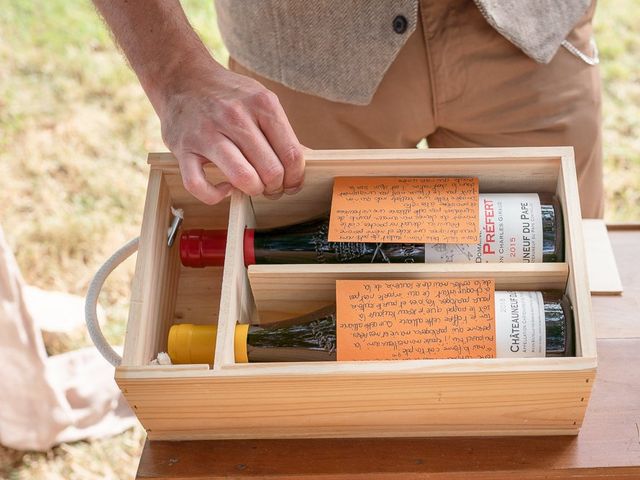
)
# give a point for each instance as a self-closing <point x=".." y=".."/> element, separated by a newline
<point x="188" y="343"/>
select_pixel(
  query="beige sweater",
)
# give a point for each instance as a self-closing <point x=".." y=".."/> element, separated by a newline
<point x="340" y="49"/>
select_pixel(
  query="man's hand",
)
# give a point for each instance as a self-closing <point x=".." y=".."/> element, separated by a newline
<point x="208" y="114"/>
<point x="218" y="116"/>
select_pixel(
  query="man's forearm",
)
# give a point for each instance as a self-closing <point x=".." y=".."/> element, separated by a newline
<point x="207" y="113"/>
<point x="158" y="41"/>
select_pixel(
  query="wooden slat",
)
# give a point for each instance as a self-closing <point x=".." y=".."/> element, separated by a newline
<point x="283" y="291"/>
<point x="441" y="367"/>
<point x="152" y="371"/>
<point x="144" y="328"/>
<point x="578" y="282"/>
<point x="604" y="278"/>
<point x="236" y="302"/>
<point x="509" y="155"/>
<point x="391" y="404"/>
<point x="619" y="317"/>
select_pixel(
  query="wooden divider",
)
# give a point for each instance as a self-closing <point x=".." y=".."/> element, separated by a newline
<point x="283" y="291"/>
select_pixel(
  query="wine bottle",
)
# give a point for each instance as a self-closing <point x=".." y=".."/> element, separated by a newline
<point x="513" y="228"/>
<point x="528" y="324"/>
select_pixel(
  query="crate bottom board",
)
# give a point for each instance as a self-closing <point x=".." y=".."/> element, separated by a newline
<point x="532" y="403"/>
<point x="368" y="432"/>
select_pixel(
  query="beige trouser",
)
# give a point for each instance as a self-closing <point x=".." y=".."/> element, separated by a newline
<point x="459" y="83"/>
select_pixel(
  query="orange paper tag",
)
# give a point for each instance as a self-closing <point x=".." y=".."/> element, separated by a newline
<point x="415" y="319"/>
<point x="404" y="210"/>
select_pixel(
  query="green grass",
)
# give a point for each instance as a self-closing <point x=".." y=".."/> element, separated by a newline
<point x="618" y="38"/>
<point x="75" y="128"/>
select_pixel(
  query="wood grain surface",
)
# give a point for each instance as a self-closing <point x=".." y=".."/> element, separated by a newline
<point x="609" y="439"/>
<point x="604" y="278"/>
<point x="608" y="445"/>
<point x="622" y="314"/>
<point x="526" y="396"/>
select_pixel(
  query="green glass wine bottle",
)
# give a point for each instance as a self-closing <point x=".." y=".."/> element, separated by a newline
<point x="528" y="324"/>
<point x="522" y="227"/>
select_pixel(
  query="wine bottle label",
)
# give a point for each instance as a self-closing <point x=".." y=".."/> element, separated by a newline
<point x="510" y="231"/>
<point x="520" y="324"/>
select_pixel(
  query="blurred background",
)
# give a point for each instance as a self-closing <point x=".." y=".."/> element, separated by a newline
<point x="75" y="128"/>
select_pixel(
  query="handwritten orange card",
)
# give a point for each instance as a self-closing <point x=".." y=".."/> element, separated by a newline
<point x="404" y="210"/>
<point x="415" y="319"/>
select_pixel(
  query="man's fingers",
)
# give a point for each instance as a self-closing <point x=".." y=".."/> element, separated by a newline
<point x="196" y="182"/>
<point x="235" y="166"/>
<point x="276" y="128"/>
<point x="250" y="140"/>
<point x="255" y="148"/>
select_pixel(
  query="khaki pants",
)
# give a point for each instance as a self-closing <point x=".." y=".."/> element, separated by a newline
<point x="459" y="83"/>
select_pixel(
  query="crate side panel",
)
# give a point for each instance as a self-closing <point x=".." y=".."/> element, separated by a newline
<point x="496" y="174"/>
<point x="155" y="272"/>
<point x="578" y="281"/>
<point x="363" y="405"/>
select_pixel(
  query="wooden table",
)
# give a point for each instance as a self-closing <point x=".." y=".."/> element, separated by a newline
<point x="608" y="445"/>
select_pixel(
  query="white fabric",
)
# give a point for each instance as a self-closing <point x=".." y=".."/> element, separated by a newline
<point x="57" y="312"/>
<point x="49" y="400"/>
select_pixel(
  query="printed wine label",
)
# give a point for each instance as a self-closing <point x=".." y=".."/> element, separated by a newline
<point x="510" y="231"/>
<point x="520" y="324"/>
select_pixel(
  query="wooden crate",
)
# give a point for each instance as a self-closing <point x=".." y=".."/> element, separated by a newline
<point x="529" y="396"/>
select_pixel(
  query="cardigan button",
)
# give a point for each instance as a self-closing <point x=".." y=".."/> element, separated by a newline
<point x="400" y="24"/>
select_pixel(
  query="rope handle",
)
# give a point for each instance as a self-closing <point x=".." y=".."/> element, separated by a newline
<point x="91" y="302"/>
<point x="90" y="313"/>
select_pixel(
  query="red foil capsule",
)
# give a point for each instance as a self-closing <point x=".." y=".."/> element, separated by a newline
<point x="203" y="248"/>
<point x="206" y="248"/>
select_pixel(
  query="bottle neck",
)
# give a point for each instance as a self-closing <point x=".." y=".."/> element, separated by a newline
<point x="308" y="242"/>
<point x="308" y="338"/>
